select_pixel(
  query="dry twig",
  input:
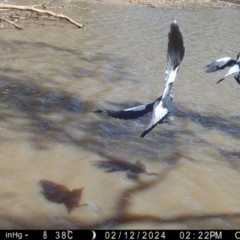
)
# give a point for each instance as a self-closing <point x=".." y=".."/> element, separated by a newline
<point x="41" y="12"/>
<point x="11" y="22"/>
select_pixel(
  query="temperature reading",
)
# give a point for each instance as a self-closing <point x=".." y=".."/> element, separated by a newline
<point x="45" y="235"/>
<point x="64" y="235"/>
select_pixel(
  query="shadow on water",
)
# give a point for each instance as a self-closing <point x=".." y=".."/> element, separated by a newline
<point x="35" y="103"/>
<point x="38" y="45"/>
<point x="20" y="99"/>
<point x="113" y="164"/>
<point x="110" y="62"/>
<point x="226" y="125"/>
<point x="233" y="157"/>
<point x="61" y="194"/>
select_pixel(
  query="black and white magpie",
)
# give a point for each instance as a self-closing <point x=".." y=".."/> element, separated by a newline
<point x="161" y="108"/>
<point x="221" y="63"/>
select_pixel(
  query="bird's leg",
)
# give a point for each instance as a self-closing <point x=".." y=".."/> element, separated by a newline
<point x="237" y="78"/>
<point x="168" y="120"/>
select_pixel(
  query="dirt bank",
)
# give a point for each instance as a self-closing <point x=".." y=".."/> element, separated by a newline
<point x="169" y="3"/>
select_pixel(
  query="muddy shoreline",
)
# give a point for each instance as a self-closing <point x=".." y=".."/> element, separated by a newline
<point x="182" y="4"/>
<point x="179" y="4"/>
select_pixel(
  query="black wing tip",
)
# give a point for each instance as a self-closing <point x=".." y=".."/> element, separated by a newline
<point x="174" y="23"/>
<point x="102" y="111"/>
<point x="220" y="80"/>
<point x="98" y="110"/>
<point x="213" y="67"/>
<point x="174" y="26"/>
<point x="123" y="114"/>
<point x="210" y="69"/>
<point x="148" y="130"/>
<point x="143" y="134"/>
<point x="176" y="49"/>
<point x="108" y="112"/>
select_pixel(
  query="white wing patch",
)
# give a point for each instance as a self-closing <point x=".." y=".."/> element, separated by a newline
<point x="170" y="79"/>
<point x="233" y="70"/>
<point x="138" y="108"/>
<point x="225" y="59"/>
<point x="158" y="113"/>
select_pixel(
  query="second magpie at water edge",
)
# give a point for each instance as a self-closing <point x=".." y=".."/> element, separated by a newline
<point x="160" y="108"/>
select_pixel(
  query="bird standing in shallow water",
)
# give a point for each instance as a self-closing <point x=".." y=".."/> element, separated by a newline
<point x="221" y="63"/>
<point x="161" y="108"/>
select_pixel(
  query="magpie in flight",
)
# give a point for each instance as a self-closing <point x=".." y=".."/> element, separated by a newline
<point x="221" y="63"/>
<point x="161" y="108"/>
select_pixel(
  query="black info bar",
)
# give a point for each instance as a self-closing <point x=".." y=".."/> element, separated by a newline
<point x="119" y="234"/>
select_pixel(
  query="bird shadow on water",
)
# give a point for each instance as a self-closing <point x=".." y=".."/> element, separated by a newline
<point x="50" y="113"/>
<point x="35" y="103"/>
<point x="226" y="126"/>
<point x="61" y="194"/>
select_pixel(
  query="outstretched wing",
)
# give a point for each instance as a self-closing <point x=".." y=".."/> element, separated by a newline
<point x="175" y="55"/>
<point x="220" y="64"/>
<point x="131" y="113"/>
<point x="232" y="71"/>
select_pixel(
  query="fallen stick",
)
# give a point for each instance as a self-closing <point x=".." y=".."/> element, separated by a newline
<point x="11" y="22"/>
<point x="40" y="11"/>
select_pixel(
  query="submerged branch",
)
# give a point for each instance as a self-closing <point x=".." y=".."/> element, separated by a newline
<point x="11" y="22"/>
<point x="41" y="12"/>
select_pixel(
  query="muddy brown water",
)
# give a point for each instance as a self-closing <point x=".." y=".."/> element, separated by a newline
<point x="53" y="77"/>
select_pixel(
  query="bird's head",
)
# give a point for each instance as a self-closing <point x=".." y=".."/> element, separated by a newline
<point x="238" y="57"/>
